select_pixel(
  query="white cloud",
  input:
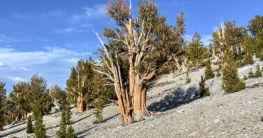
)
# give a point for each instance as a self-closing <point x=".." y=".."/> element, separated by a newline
<point x="16" y="79"/>
<point x="11" y="57"/>
<point x="52" y="63"/>
<point x="89" y="13"/>
<point x="97" y="10"/>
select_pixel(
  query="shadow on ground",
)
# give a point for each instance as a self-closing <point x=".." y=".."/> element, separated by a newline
<point x="176" y="98"/>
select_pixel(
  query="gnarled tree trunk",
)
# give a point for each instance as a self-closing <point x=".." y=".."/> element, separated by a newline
<point x="81" y="104"/>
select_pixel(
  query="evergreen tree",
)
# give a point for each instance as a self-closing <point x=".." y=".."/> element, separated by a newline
<point x="251" y="74"/>
<point x="40" y="95"/>
<point x="99" y="103"/>
<point x="202" y="88"/>
<point x="21" y="98"/>
<point x="63" y="126"/>
<point x="79" y="85"/>
<point x="71" y="132"/>
<point x="2" y="104"/>
<point x="208" y="71"/>
<point x="248" y="47"/>
<point x="196" y="53"/>
<point x="29" y="128"/>
<point x="258" y="72"/>
<point x="231" y="81"/>
<point x="66" y="130"/>
<point x="256" y="29"/>
<point x="39" y="129"/>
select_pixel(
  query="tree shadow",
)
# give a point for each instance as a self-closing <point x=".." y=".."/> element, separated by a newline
<point x="73" y="122"/>
<point x="80" y="134"/>
<point x="109" y="118"/>
<point x="176" y="98"/>
<point x="12" y="132"/>
<point x="15" y="125"/>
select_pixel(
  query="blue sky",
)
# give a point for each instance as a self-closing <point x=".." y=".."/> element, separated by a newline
<point x="47" y="37"/>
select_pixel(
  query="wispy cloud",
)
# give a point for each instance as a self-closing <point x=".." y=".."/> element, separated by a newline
<point x="52" y="62"/>
<point x="89" y="13"/>
<point x="11" y="57"/>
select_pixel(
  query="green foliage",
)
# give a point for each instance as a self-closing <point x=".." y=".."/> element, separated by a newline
<point x="71" y="132"/>
<point x="40" y="94"/>
<point x="258" y="72"/>
<point x="251" y="74"/>
<point x="248" y="47"/>
<point x="256" y="25"/>
<point x="256" y="29"/>
<point x="196" y="53"/>
<point x="245" y="77"/>
<point x="80" y="81"/>
<point x="58" y="95"/>
<point x="229" y="37"/>
<point x="2" y="105"/>
<point x="209" y="74"/>
<point x="259" y="46"/>
<point x="99" y="103"/>
<point x="204" y="91"/>
<point x="29" y="128"/>
<point x="39" y="129"/>
<point x="231" y="81"/>
<point x="94" y="84"/>
<point x="66" y="130"/>
<point x="63" y="126"/>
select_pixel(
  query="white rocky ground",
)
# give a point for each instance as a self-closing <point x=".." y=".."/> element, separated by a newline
<point x="236" y="115"/>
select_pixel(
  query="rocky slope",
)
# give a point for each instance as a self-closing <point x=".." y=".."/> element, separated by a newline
<point x="178" y="112"/>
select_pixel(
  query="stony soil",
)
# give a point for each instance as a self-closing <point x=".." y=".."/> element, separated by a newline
<point x="177" y="112"/>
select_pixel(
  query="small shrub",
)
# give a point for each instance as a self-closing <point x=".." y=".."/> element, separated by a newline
<point x="71" y="132"/>
<point x="251" y="74"/>
<point x="188" y="80"/>
<point x="204" y="91"/>
<point x="258" y="72"/>
<point x="239" y="86"/>
<point x="29" y="128"/>
<point x="99" y="102"/>
<point x="231" y="80"/>
<point x="63" y="126"/>
<point x="208" y="71"/>
<point x="39" y="129"/>
<point x="245" y="77"/>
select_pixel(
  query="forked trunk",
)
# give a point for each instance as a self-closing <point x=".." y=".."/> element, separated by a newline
<point x="81" y="105"/>
<point x="139" y="100"/>
<point x="124" y="105"/>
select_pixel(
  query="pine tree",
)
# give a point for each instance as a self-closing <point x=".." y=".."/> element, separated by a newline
<point x="2" y="104"/>
<point x="258" y="72"/>
<point x="202" y="88"/>
<point x="39" y="128"/>
<point x="208" y="71"/>
<point x="231" y="81"/>
<point x="196" y="53"/>
<point x="71" y="132"/>
<point x="99" y="102"/>
<point x="66" y="130"/>
<point x="248" y="43"/>
<point x="63" y="126"/>
<point x="29" y="128"/>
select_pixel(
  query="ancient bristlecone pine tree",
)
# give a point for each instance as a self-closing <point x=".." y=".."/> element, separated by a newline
<point x="132" y="97"/>
<point x="136" y="52"/>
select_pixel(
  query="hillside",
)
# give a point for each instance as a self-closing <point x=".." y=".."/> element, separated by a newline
<point x="177" y="112"/>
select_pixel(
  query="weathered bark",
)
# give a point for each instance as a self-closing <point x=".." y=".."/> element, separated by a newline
<point x="81" y="104"/>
